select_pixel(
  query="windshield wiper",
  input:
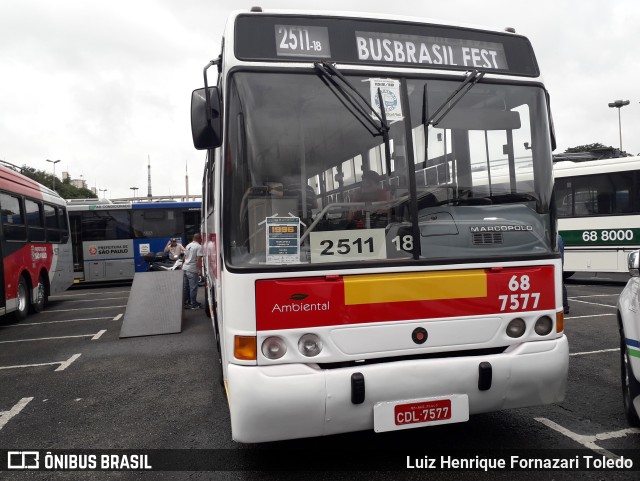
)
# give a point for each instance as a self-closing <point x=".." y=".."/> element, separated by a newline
<point x="357" y="104"/>
<point x="471" y="78"/>
<point x="467" y="84"/>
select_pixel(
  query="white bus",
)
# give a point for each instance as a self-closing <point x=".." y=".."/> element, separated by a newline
<point x="364" y="268"/>
<point x="598" y="213"/>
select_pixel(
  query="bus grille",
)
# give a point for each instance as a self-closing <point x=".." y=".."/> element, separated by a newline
<point x="487" y="238"/>
<point x="490" y="351"/>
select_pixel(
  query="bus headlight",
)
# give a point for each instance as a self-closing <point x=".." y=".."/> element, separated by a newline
<point x="516" y="327"/>
<point x="310" y="345"/>
<point x="273" y="347"/>
<point x="543" y="326"/>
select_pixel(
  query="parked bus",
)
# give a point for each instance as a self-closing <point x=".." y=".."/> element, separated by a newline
<point x="365" y="267"/>
<point x="34" y="243"/>
<point x="111" y="239"/>
<point x="598" y="205"/>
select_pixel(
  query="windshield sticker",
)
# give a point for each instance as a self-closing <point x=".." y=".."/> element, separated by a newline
<point x="283" y="240"/>
<point x="390" y="90"/>
<point x="348" y="245"/>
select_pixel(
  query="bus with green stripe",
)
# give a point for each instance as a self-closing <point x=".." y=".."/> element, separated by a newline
<point x="598" y="207"/>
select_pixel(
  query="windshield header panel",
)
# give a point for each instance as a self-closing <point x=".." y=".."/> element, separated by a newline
<point x="286" y="38"/>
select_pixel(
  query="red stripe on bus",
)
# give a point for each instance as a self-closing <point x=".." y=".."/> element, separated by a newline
<point x="318" y="301"/>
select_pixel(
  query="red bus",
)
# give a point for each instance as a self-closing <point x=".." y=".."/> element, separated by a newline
<point x="34" y="243"/>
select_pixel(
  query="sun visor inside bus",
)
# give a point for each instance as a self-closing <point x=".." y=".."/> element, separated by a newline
<point x="480" y="119"/>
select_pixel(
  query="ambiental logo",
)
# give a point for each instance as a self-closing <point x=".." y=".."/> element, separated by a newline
<point x="299" y="306"/>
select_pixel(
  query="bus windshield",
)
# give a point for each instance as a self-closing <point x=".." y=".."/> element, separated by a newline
<point x="307" y="180"/>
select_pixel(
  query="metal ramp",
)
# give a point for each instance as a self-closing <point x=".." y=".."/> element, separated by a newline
<point x="155" y="305"/>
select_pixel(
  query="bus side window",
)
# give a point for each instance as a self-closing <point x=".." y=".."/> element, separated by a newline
<point x="51" y="223"/>
<point x="35" y="221"/>
<point x="13" y="219"/>
<point x="604" y="203"/>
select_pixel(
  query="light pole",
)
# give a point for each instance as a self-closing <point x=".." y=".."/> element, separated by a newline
<point x="134" y="189"/>
<point x="54" y="162"/>
<point x="618" y="104"/>
<point x="104" y="196"/>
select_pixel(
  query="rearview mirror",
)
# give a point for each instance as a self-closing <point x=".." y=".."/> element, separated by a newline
<point x="206" y="130"/>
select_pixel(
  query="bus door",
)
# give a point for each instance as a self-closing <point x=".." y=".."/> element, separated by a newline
<point x="191" y="222"/>
<point x="75" y="221"/>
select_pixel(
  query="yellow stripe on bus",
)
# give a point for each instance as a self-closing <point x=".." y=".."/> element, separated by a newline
<point x="415" y="286"/>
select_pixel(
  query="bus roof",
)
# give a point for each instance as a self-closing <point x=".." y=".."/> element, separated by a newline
<point x="369" y="15"/>
<point x="383" y="41"/>
<point x="587" y="167"/>
<point x="13" y="181"/>
<point x="102" y="204"/>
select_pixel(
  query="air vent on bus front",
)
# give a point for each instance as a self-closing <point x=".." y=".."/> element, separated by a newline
<point x="487" y="238"/>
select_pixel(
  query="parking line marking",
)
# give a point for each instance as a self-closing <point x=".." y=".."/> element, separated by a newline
<point x="591" y="315"/>
<point x="54" y="322"/>
<point x="96" y="300"/>
<point x="594" y="352"/>
<point x="593" y="303"/>
<point x="590" y="441"/>
<point x="62" y="367"/>
<point x="56" y="296"/>
<point x="98" y="334"/>
<point x="50" y="338"/>
<point x="117" y="318"/>
<point x="595" y="295"/>
<point x="68" y="362"/>
<point x="83" y="308"/>
<point x="5" y="416"/>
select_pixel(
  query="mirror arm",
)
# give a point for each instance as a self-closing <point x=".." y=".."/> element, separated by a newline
<point x="206" y="86"/>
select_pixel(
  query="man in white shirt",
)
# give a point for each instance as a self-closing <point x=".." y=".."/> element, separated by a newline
<point x="192" y="268"/>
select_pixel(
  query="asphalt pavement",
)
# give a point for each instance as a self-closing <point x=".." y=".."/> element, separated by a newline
<point x="68" y="382"/>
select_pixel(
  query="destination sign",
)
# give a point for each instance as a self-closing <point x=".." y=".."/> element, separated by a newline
<point x="297" y="41"/>
<point x="304" y="38"/>
<point x="396" y="48"/>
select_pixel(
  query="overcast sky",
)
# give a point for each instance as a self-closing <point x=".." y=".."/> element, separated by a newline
<point x="105" y="85"/>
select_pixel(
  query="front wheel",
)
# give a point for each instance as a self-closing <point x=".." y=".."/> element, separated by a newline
<point x="23" y="300"/>
<point x="40" y="301"/>
<point x="630" y="385"/>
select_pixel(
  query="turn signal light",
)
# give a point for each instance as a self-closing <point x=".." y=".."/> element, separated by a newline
<point x="559" y="321"/>
<point x="244" y="348"/>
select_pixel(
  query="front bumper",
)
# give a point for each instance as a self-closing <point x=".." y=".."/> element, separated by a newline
<point x="270" y="403"/>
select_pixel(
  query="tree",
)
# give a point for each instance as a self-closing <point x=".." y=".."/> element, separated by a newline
<point x="587" y="148"/>
<point x="65" y="189"/>
<point x="599" y="151"/>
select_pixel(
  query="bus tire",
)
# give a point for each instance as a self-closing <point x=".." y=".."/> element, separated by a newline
<point x="630" y="385"/>
<point x="23" y="299"/>
<point x="41" y="299"/>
